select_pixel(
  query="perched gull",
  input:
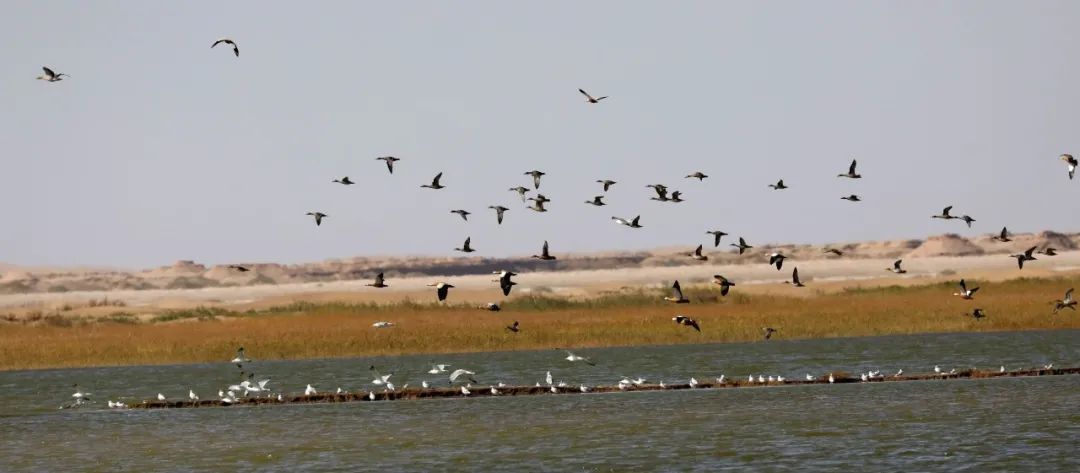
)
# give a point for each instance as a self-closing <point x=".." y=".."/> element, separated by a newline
<point x="809" y="377"/>
<point x="536" y="175"/>
<point x="310" y="391"/>
<point x="499" y="210"/>
<point x="937" y="369"/>
<point x="851" y="172"/>
<point x="160" y="397"/>
<point x="629" y="223"/>
<point x="589" y="98"/>
<point x="607" y="183"/>
<point x="687" y="321"/>
<point x="465" y="391"/>
<point x="380" y="281"/>
<point x="831" y="379"/>
<point x="382" y="324"/>
<point x="548" y="379"/>
<point x="434" y="183"/>
<point x="390" y="160"/>
<point x="945" y="214"/>
<point x="1065" y="303"/>
<point x="724" y="283"/>
<point x="441" y="289"/>
<point x="1025" y="256"/>
<point x="318" y="217"/>
<point x="896" y="267"/>
<point x="676" y="294"/>
<point x="229" y="42"/>
<point x="742" y="246"/>
<point x="693" y="382"/>
<point x="424" y="384"/>
<point x="192" y="396"/>
<point x="966" y="293"/>
<point x="1070" y="163"/>
<point x="463" y="213"/>
<point x="371" y="395"/>
<point x="571" y="357"/>
<point x="51" y="76"/>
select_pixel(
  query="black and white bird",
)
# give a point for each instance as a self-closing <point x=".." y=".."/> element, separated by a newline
<point x="607" y="183"/>
<point x="344" y="181"/>
<point x="380" y="282"/>
<point x="490" y="307"/>
<point x="742" y="246"/>
<point x="724" y="283"/>
<point x="499" y="210"/>
<point x="677" y="295"/>
<point x="851" y="172"/>
<point x="965" y="293"/>
<point x="717" y="235"/>
<point x="768" y="331"/>
<point x="977" y="314"/>
<point x="515" y="328"/>
<point x="945" y="214"/>
<point x="1002" y="237"/>
<point x="390" y="160"/>
<point x="434" y="183"/>
<point x="687" y="321"/>
<point x="696" y="254"/>
<point x="589" y="98"/>
<point x="50" y="76"/>
<point x="463" y="213"/>
<point x="229" y="42"/>
<point x="442" y="289"/>
<point x="779" y="185"/>
<point x="536" y="175"/>
<point x="1070" y="163"/>
<point x="505" y="283"/>
<point x="697" y="175"/>
<point x="466" y="248"/>
<point x="240" y="358"/>
<point x="777" y="259"/>
<point x="1066" y="303"/>
<point x="795" y="278"/>
<point x="896" y="267"/>
<point x="318" y="217"/>
<point x="677" y="197"/>
<point x="544" y="254"/>
<point x="597" y="201"/>
<point x="629" y="223"/>
<point x="1025" y="256"/>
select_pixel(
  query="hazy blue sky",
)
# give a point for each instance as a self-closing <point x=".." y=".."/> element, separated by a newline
<point x="159" y="148"/>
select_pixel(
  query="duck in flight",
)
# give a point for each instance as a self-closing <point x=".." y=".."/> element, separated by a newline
<point x="1003" y="237"/>
<point x="1066" y="303"/>
<point x="521" y="190"/>
<point x="390" y="160"/>
<point x="463" y="213"/>
<point x="677" y="197"/>
<point x="717" y="235"/>
<point x="229" y="42"/>
<point x="742" y="246"/>
<point x="851" y="172"/>
<point x="380" y="282"/>
<point x="779" y="185"/>
<point x="490" y="307"/>
<point x="686" y="321"/>
<point x="896" y="267"/>
<point x="382" y="324"/>
<point x="242" y="269"/>
<point x="344" y="181"/>
<point x="538" y="205"/>
<point x="466" y="248"/>
<point x="515" y="328"/>
<point x="318" y="217"/>
<point x="589" y="98"/>
<point x="498" y="212"/>
<point x="536" y="175"/>
<point x="629" y="223"/>
<point x="50" y="76"/>
<point x="965" y="293"/>
<point x="1070" y="163"/>
<point x="677" y="296"/>
<point x="795" y="278"/>
<point x="768" y="331"/>
<point x="977" y="314"/>
<point x="777" y="259"/>
<point x="724" y="283"/>
<point x="1048" y="251"/>
<point x="544" y="255"/>
<point x="607" y="183"/>
<point x="696" y="254"/>
<point x="833" y="251"/>
<point x="434" y="183"/>
<point x="596" y="200"/>
<point x="700" y="176"/>
<point x="852" y="198"/>
<point x="945" y="214"/>
<point x="442" y="289"/>
<point x="1025" y="256"/>
<point x="967" y="220"/>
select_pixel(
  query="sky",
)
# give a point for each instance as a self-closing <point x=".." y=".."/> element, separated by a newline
<point x="158" y="148"/>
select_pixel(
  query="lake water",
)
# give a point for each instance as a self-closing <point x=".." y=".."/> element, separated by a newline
<point x="1014" y="424"/>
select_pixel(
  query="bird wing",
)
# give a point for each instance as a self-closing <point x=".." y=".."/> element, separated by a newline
<point x="698" y="251"/>
<point x="635" y="220"/>
<point x="851" y="170"/>
<point x="544" y="251"/>
<point x="963" y="286"/>
<point x="435" y="181"/>
<point x="676" y="290"/>
<point x="974" y="290"/>
<point x="693" y="323"/>
<point x="48" y="72"/>
<point x="896" y="264"/>
<point x="583" y="92"/>
<point x="1068" y="296"/>
<point x="946" y="211"/>
<point x="1027" y="254"/>
<point x="795" y="275"/>
<point x="442" y="291"/>
<point x="716" y="239"/>
<point x="1004" y="232"/>
<point x="379" y="279"/>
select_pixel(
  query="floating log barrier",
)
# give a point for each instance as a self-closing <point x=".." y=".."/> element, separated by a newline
<point x="485" y="390"/>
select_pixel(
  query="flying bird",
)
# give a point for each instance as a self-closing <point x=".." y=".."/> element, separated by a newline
<point x="779" y="185"/>
<point x="390" y="160"/>
<point x="851" y="172"/>
<point x="777" y="259"/>
<point x="607" y="183"/>
<point x="1025" y="256"/>
<point x="696" y="175"/>
<point x="380" y="379"/>
<point x="521" y="190"/>
<point x="717" y="235"/>
<point x="436" y="369"/>
<point x="505" y="283"/>
<point x="462" y="372"/>
<point x="677" y="295"/>
<point x="538" y="206"/>
<point x="1048" y="251"/>
<point x="1070" y="162"/>
<point x="536" y="175"/>
<point x="515" y="328"/>
<point x="967" y="220"/>
<point x="1066" y="303"/>
<point x="240" y="358"/>
<point x="724" y="283"/>
<point x="318" y="217"/>
<point x="344" y="181"/>
<point x="50" y="76"/>
<point x="945" y="214"/>
<point x="687" y="321"/>
<point x="768" y="331"/>
<point x="977" y="314"/>
<point x="589" y="98"/>
<point x="1003" y="237"/>
<point x="852" y="198"/>
<point x="696" y="254"/>
<point x="629" y="223"/>
<point x="490" y="307"/>
<point x="677" y="197"/>
<point x="965" y="293"/>
<point x="833" y="251"/>
<point x="896" y="267"/>
<point x="463" y="213"/>
<point x="742" y="246"/>
<point x="596" y="201"/>
<point x="795" y="278"/>
<point x="466" y="248"/>
<point x="441" y="289"/>
<point x="382" y="324"/>
<point x="434" y="183"/>
<point x="571" y="357"/>
<point x="380" y="282"/>
<point x="498" y="212"/>
<point x="242" y="269"/>
<point x="229" y="42"/>
<point x="544" y="255"/>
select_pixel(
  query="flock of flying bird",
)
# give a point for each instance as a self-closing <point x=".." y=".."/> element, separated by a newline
<point x="662" y="194"/>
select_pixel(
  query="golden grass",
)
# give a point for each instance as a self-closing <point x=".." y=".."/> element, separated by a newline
<point x="338" y="330"/>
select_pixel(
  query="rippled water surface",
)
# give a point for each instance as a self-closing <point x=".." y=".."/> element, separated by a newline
<point x="1016" y="424"/>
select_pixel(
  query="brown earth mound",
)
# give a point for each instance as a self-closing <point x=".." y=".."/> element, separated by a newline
<point x="949" y="244"/>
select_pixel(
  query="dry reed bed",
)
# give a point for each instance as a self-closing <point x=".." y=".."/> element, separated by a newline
<point x="340" y="330"/>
